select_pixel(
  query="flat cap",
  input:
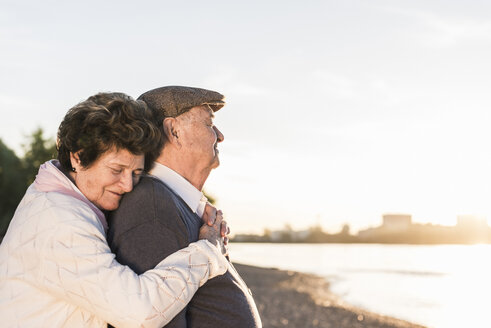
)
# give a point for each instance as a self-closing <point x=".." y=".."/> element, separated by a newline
<point x="174" y="100"/>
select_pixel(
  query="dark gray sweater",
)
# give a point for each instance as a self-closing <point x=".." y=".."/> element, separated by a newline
<point x="153" y="222"/>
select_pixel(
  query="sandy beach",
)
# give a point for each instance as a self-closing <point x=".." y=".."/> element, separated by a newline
<point x="292" y="299"/>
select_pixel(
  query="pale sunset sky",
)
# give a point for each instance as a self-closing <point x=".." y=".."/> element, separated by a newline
<point x="337" y="111"/>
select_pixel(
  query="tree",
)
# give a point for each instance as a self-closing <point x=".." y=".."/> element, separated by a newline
<point x="17" y="174"/>
<point x="37" y="151"/>
<point x="345" y="230"/>
<point x="210" y="198"/>
<point x="12" y="185"/>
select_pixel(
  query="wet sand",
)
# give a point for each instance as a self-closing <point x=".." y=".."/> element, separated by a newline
<point x="292" y="299"/>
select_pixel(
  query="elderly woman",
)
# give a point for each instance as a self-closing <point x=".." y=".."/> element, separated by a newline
<point x="56" y="269"/>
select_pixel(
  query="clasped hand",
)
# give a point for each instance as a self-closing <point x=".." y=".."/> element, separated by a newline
<point x="215" y="229"/>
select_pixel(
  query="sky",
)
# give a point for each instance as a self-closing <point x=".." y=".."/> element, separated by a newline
<point x="337" y="111"/>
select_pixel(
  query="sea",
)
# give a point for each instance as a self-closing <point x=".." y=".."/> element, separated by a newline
<point x="438" y="286"/>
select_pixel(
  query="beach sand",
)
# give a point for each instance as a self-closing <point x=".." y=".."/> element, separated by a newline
<point x="292" y="299"/>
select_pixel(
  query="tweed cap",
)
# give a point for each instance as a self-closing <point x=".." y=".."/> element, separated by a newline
<point x="173" y="101"/>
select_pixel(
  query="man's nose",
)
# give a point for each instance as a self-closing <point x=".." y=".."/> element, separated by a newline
<point x="219" y="134"/>
<point x="127" y="182"/>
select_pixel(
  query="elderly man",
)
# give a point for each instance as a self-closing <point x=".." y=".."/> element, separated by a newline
<point x="163" y="213"/>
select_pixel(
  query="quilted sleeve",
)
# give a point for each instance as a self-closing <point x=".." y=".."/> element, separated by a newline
<point x="79" y="267"/>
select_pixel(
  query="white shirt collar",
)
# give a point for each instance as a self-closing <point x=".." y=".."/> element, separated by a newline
<point x="192" y="196"/>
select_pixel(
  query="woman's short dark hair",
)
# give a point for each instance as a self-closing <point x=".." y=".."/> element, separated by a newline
<point x="105" y="121"/>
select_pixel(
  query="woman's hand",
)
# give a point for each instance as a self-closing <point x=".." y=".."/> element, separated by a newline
<point x="214" y="220"/>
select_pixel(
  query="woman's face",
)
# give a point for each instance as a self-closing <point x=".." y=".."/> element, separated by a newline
<point x="105" y="181"/>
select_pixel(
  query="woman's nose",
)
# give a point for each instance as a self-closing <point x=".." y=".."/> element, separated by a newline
<point x="127" y="182"/>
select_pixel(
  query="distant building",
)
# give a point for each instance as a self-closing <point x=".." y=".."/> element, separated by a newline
<point x="289" y="235"/>
<point x="396" y="222"/>
<point x="473" y="228"/>
<point x="471" y="222"/>
<point x="300" y="235"/>
<point x="391" y="224"/>
<point x="276" y="235"/>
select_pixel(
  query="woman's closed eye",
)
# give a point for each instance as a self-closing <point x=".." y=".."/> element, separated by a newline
<point x="116" y="170"/>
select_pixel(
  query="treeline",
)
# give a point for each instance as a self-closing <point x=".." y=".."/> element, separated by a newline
<point x="16" y="174"/>
<point x="416" y="234"/>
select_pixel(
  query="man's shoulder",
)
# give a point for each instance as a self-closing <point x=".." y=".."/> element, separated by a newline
<point x="149" y="183"/>
<point x="150" y="201"/>
<point x="146" y="192"/>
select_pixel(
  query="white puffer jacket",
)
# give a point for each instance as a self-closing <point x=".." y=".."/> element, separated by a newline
<point x="56" y="269"/>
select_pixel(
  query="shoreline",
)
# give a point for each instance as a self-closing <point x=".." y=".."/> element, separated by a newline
<point x="294" y="299"/>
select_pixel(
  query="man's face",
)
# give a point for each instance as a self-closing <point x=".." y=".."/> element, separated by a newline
<point x="199" y="137"/>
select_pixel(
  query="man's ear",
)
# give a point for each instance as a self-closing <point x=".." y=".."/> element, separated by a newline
<point x="171" y="130"/>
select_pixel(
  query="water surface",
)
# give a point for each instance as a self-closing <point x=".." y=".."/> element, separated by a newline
<point x="441" y="286"/>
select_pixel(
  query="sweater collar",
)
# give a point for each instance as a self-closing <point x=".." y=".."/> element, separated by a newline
<point x="51" y="178"/>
